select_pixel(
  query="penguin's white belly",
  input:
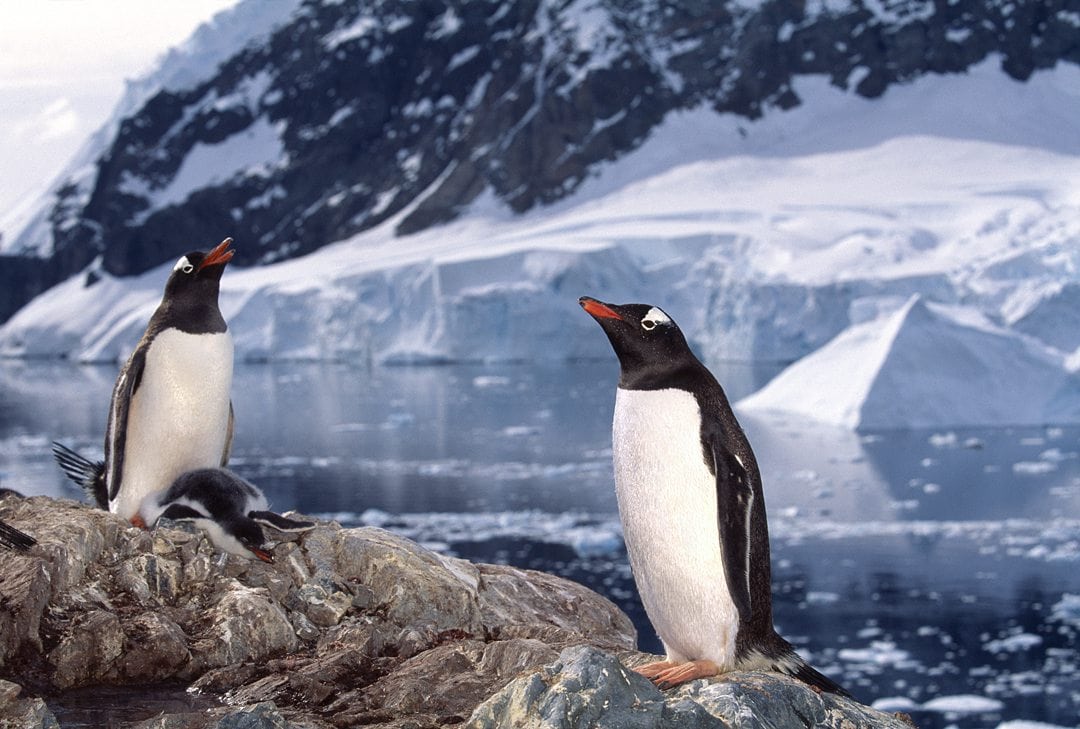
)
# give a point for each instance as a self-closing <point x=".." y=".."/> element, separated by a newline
<point x="668" y="508"/>
<point x="178" y="418"/>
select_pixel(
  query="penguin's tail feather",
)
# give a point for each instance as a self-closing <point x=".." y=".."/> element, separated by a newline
<point x="782" y="658"/>
<point x="88" y="475"/>
<point x="14" y="538"/>
<point x="810" y="675"/>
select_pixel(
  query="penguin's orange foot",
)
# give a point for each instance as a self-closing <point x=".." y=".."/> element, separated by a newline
<point x="138" y="521"/>
<point x="650" y="670"/>
<point x="680" y="673"/>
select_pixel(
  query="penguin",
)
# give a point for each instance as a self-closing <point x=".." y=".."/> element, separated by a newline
<point x="170" y="410"/>
<point x="692" y="508"/>
<point x="229" y="508"/>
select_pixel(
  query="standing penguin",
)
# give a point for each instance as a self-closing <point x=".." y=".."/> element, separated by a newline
<point x="170" y="409"/>
<point x="692" y="507"/>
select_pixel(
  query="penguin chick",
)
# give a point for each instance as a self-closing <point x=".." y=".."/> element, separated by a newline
<point x="170" y="409"/>
<point x="229" y="508"/>
<point x="692" y="507"/>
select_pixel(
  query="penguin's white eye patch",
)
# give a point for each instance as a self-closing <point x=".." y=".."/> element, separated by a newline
<point x="654" y="318"/>
<point x="183" y="265"/>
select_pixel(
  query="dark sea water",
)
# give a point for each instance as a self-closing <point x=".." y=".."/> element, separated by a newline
<point x="935" y="572"/>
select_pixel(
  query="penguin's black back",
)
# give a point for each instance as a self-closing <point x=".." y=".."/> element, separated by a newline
<point x="222" y="493"/>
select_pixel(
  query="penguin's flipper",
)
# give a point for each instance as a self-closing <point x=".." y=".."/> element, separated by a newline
<point x="281" y="523"/>
<point x="735" y="498"/>
<point x="227" y="451"/>
<point x="88" y="475"/>
<point x="126" y="386"/>
<point x="15" y="539"/>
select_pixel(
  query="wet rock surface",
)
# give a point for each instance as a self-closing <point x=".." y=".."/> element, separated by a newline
<point x="348" y="627"/>
<point x="586" y="687"/>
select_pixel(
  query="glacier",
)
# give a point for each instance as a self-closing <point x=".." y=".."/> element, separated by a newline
<point x="782" y="239"/>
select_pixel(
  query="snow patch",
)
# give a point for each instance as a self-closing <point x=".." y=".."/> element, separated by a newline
<point x="255" y="151"/>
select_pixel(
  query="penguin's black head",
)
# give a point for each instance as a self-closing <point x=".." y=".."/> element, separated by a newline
<point x="646" y="340"/>
<point x="251" y="537"/>
<point x="199" y="271"/>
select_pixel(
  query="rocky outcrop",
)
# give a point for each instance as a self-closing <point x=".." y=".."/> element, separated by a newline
<point x="348" y="627"/>
<point x="586" y="687"/>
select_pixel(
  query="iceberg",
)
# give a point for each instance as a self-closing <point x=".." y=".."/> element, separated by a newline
<point x="925" y="366"/>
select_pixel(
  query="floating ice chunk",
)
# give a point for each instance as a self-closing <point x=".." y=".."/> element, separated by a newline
<point x="1013" y="643"/>
<point x="1067" y="609"/>
<point x="891" y="704"/>
<point x="1033" y="468"/>
<point x="593" y="541"/>
<point x="880" y="653"/>
<point x="483" y="382"/>
<point x="963" y="704"/>
<point x="375" y="517"/>
<point x="822" y="598"/>
<point x="1023" y="724"/>
<point x="1056" y="455"/>
<point x="519" y="431"/>
<point x="943" y="440"/>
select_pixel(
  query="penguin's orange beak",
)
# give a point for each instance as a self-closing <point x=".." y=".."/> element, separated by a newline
<point x="220" y="255"/>
<point x="598" y="309"/>
<point x="263" y="555"/>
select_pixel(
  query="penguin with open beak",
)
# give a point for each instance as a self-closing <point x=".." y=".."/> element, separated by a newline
<point x="171" y="410"/>
<point x="231" y="510"/>
<point x="691" y="506"/>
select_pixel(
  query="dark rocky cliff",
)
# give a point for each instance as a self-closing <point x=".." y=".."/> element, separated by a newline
<point x="353" y="112"/>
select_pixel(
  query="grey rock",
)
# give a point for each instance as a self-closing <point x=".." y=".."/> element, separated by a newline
<point x="586" y="687"/>
<point x="23" y="713"/>
<point x="348" y="626"/>
<point x="9" y="692"/>
<point x="260" y="716"/>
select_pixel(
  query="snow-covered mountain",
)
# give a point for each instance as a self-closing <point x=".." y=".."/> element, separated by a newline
<point x="441" y="185"/>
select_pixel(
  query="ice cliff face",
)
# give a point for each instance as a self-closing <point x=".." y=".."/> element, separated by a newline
<point x="292" y="125"/>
